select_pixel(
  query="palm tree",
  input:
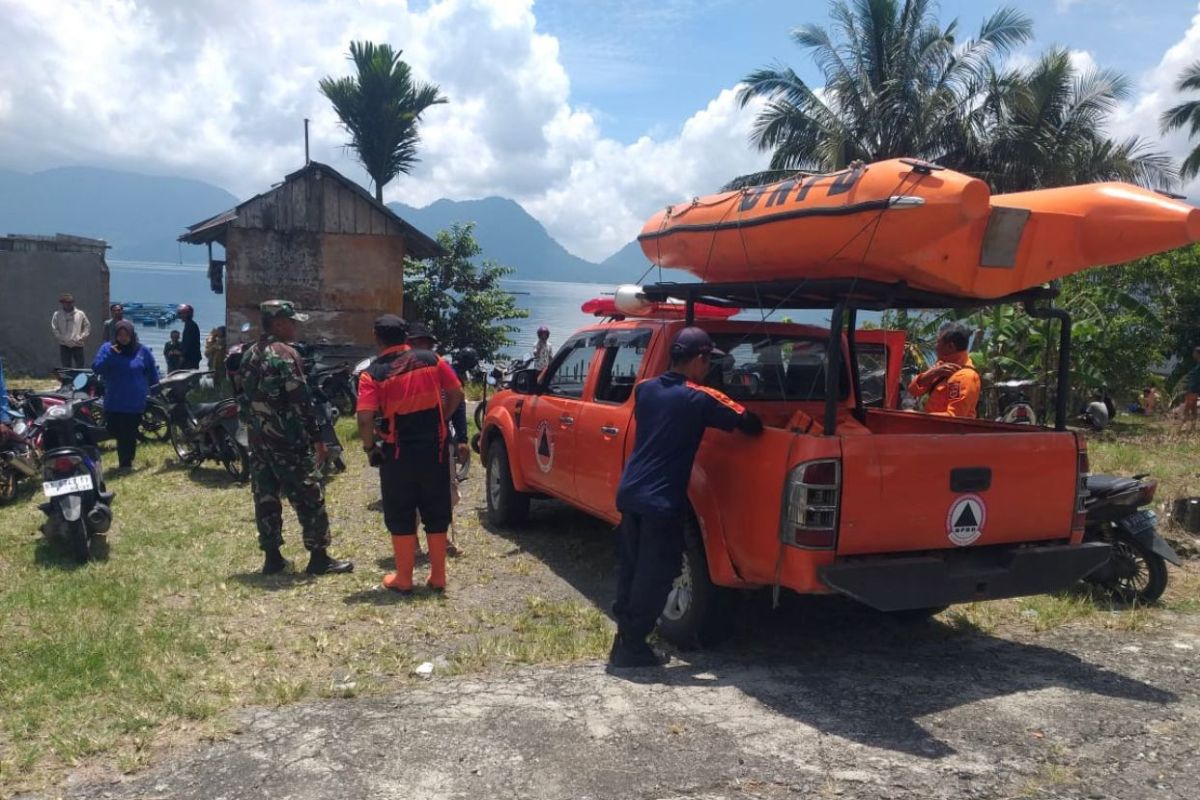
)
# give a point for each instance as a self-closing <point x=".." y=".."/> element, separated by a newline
<point x="895" y="84"/>
<point x="1186" y="114"/>
<point x="380" y="109"/>
<point x="1044" y="126"/>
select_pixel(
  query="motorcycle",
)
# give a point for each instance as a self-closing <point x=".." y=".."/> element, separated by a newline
<point x="338" y="384"/>
<point x="499" y="377"/>
<point x="19" y="458"/>
<point x="1015" y="404"/>
<point x="1137" y="570"/>
<point x="78" y="508"/>
<point x="327" y="413"/>
<point x="204" y="431"/>
<point x="1099" y="411"/>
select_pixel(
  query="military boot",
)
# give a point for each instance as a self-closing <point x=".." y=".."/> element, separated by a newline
<point x="320" y="563"/>
<point x="274" y="562"/>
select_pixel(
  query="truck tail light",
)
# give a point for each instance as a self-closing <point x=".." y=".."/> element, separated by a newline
<point x="1079" y="520"/>
<point x="811" y="498"/>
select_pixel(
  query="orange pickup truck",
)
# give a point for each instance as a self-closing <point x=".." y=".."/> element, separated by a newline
<point x="840" y="494"/>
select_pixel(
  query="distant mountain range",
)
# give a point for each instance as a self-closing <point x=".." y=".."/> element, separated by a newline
<point x="509" y="235"/>
<point x="140" y="216"/>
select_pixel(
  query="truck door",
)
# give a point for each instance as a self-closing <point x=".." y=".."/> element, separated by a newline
<point x="880" y="360"/>
<point x="547" y="451"/>
<point x="605" y="421"/>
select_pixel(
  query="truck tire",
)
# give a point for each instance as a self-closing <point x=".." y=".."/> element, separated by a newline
<point x="505" y="505"/>
<point x="698" y="613"/>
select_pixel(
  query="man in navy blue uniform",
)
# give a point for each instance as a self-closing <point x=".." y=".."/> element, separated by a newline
<point x="672" y="412"/>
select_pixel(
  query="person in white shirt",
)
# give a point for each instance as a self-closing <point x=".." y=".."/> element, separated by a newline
<point x="543" y="351"/>
<point x="71" y="328"/>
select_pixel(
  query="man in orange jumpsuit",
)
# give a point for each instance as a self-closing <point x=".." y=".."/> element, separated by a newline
<point x="952" y="383"/>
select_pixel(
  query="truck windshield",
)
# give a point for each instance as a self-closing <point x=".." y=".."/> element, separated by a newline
<point x="771" y="367"/>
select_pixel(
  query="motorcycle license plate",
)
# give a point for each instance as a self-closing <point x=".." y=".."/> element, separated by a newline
<point x="1140" y="522"/>
<point x="75" y="483"/>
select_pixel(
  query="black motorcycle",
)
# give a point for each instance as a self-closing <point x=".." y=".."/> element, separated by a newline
<point x="78" y="508"/>
<point x="498" y="376"/>
<point x="337" y="383"/>
<point x="153" y="425"/>
<point x="204" y="431"/>
<point x="327" y="412"/>
<point x="1137" y="570"/>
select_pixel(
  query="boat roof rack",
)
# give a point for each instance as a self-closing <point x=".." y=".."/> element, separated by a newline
<point x="827" y="293"/>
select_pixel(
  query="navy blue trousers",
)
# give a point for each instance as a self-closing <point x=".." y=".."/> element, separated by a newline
<point x="649" y="557"/>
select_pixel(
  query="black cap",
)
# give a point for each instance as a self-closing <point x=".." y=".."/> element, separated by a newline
<point x="691" y="342"/>
<point x="418" y="331"/>
<point x="391" y="324"/>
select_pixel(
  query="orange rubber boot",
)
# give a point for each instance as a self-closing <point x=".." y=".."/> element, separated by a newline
<point x="405" y="550"/>
<point x="437" y="561"/>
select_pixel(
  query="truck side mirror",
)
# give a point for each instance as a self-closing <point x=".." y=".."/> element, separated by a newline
<point x="525" y="381"/>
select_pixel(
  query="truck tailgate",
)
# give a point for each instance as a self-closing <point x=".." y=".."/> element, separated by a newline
<point x="904" y="492"/>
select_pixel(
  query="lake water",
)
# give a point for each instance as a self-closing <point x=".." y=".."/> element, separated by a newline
<point x="553" y="304"/>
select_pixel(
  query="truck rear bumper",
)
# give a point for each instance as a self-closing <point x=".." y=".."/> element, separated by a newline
<point x="964" y="576"/>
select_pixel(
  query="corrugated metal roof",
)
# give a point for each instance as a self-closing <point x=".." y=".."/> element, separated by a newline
<point x="213" y="229"/>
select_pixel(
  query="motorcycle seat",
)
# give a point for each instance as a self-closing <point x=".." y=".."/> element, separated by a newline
<point x="1101" y="485"/>
<point x="205" y="409"/>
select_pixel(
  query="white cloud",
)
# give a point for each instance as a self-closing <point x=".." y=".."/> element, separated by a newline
<point x="218" y="90"/>
<point x="1156" y="93"/>
<point x="1063" y="6"/>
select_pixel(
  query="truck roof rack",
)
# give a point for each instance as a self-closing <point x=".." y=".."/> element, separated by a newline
<point x="827" y="293"/>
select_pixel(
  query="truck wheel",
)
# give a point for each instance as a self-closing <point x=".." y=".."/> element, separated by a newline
<point x="698" y="613"/>
<point x="505" y="505"/>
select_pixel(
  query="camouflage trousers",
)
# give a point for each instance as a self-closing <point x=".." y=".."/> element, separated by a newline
<point x="276" y="473"/>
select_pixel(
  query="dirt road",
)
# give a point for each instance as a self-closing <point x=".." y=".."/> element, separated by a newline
<point x="839" y="703"/>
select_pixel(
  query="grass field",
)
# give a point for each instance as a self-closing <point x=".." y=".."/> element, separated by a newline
<point x="109" y="663"/>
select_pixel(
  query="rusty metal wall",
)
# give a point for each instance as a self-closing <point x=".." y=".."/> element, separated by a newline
<point x="343" y="281"/>
<point x="33" y="282"/>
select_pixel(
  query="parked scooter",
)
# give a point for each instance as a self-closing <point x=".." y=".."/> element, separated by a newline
<point x="337" y="383"/>
<point x="499" y="376"/>
<point x="1116" y="514"/>
<point x="327" y="413"/>
<point x="78" y="508"/>
<point x="205" y="431"/>
<point x="1016" y="407"/>
<point x="19" y="459"/>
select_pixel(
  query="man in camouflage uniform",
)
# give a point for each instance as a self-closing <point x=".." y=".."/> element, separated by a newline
<point x="282" y="423"/>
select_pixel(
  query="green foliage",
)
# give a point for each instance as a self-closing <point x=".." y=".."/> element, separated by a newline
<point x="1126" y="321"/>
<point x="460" y="301"/>
<point x="380" y="108"/>
<point x="897" y="83"/>
<point x="1186" y="114"/>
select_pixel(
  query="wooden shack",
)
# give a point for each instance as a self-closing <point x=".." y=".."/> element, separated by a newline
<point x="319" y="240"/>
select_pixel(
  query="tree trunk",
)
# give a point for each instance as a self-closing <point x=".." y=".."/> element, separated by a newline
<point x="379" y="191"/>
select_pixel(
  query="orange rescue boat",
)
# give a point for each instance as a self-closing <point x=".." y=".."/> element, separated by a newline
<point x="907" y="220"/>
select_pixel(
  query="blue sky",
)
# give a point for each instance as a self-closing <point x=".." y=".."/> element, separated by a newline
<point x="645" y="67"/>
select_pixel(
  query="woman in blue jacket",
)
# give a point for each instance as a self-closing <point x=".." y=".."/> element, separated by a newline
<point x="128" y="370"/>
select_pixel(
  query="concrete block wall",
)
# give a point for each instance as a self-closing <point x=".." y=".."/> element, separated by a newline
<point x="32" y="283"/>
